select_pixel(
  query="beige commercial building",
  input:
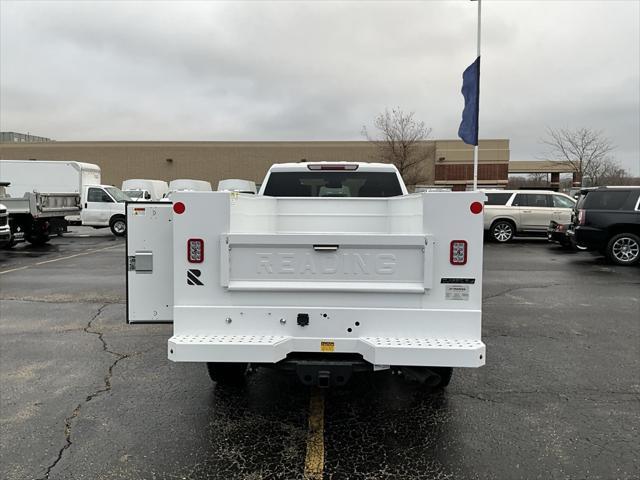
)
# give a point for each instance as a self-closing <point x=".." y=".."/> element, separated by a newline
<point x="448" y="163"/>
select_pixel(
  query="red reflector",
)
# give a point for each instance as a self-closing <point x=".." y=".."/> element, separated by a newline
<point x="179" y="208"/>
<point x="476" y="207"/>
<point x="195" y="250"/>
<point x="332" y="166"/>
<point x="458" y="252"/>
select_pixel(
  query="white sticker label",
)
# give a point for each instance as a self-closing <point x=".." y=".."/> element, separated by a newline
<point x="457" y="292"/>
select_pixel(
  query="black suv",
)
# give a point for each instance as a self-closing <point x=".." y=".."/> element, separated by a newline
<point x="607" y="219"/>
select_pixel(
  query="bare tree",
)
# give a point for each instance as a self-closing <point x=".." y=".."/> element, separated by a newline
<point x="400" y="140"/>
<point x="538" y="178"/>
<point x="586" y="150"/>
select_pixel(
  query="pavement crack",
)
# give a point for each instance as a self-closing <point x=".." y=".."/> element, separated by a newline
<point x="107" y="387"/>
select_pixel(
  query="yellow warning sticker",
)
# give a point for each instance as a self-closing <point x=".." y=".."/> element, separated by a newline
<point x="327" y="346"/>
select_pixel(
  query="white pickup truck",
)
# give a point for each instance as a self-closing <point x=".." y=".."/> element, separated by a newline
<point x="331" y="269"/>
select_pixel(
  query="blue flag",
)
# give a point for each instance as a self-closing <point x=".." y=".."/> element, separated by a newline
<point x="468" y="130"/>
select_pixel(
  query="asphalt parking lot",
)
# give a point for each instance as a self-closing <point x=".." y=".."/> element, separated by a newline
<point x="85" y="396"/>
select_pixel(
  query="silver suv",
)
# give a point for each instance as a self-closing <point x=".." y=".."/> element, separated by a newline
<point x="509" y="212"/>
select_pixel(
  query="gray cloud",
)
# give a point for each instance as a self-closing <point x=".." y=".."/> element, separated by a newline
<point x="317" y="70"/>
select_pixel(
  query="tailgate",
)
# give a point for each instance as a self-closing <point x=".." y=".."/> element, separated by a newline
<point x="335" y="262"/>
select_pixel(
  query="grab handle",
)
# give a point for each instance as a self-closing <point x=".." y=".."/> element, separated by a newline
<point x="326" y="248"/>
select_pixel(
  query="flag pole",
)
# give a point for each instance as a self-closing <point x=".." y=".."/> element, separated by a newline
<point x="475" y="147"/>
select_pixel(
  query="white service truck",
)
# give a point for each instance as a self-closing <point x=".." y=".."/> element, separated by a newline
<point x="332" y="269"/>
<point x="34" y="216"/>
<point x="102" y="205"/>
<point x="140" y="189"/>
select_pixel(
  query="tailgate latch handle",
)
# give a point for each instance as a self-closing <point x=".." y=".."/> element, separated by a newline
<point x="326" y="248"/>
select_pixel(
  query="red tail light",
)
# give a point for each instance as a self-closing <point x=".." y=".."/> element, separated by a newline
<point x="332" y="166"/>
<point x="195" y="250"/>
<point x="458" y="252"/>
<point x="582" y="217"/>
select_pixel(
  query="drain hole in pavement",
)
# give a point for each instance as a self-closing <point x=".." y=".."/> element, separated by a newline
<point x="172" y="351"/>
<point x="349" y="330"/>
<point x="357" y="324"/>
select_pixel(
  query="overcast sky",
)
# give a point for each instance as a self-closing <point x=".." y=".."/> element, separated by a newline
<point x="318" y="70"/>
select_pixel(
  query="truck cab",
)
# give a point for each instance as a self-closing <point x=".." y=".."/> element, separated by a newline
<point x="330" y="270"/>
<point x="104" y="206"/>
<point x="5" y="229"/>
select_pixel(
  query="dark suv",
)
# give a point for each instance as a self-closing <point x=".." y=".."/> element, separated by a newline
<point x="607" y="219"/>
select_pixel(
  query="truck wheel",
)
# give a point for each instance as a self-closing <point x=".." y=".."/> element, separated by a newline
<point x="227" y="373"/>
<point x="624" y="249"/>
<point x="502" y="231"/>
<point x="445" y="376"/>
<point x="118" y="225"/>
<point x="37" y="240"/>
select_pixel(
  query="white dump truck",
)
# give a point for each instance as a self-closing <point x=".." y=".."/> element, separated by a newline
<point x="102" y="205"/>
<point x="331" y="269"/>
<point x="34" y="216"/>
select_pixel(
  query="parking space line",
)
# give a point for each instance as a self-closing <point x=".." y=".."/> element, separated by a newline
<point x="88" y="252"/>
<point x="314" y="460"/>
<point x="13" y="270"/>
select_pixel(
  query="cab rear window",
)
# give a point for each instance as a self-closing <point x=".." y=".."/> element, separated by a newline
<point x="332" y="184"/>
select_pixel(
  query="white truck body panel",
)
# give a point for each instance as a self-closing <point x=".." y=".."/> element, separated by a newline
<point x="156" y="188"/>
<point x="237" y="185"/>
<point x="47" y="176"/>
<point x="184" y="184"/>
<point x="373" y="275"/>
<point x="152" y="244"/>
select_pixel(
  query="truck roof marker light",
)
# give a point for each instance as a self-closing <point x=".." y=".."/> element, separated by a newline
<point x="458" y="252"/>
<point x="195" y="250"/>
<point x="179" y="208"/>
<point x="332" y="166"/>
<point x="476" y="208"/>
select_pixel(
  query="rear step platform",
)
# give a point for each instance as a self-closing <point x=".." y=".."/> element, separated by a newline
<point x="445" y="352"/>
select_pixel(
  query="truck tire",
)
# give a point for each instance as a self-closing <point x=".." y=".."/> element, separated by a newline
<point x="624" y="249"/>
<point x="118" y="225"/>
<point x="38" y="240"/>
<point x="227" y="373"/>
<point x="502" y="231"/>
<point x="445" y="376"/>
